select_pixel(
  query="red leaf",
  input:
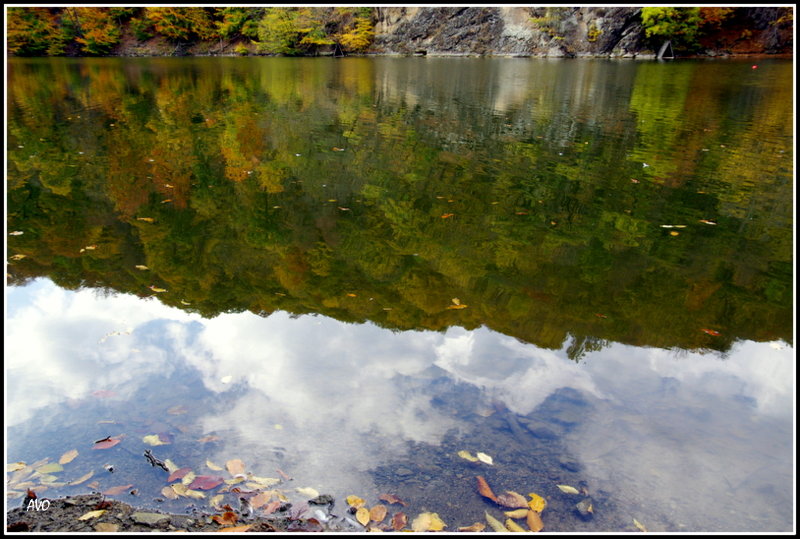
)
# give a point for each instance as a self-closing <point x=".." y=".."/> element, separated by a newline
<point x="484" y="489"/>
<point x="271" y="507"/>
<point x="227" y="518"/>
<point x="399" y="521"/>
<point x="178" y="474"/>
<point x="205" y="482"/>
<point x="391" y="498"/>
<point x="105" y="444"/>
<point x="711" y="332"/>
<point x="113" y="491"/>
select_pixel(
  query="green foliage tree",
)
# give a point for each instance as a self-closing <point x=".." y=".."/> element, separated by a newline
<point x="182" y="23"/>
<point x="35" y="31"/>
<point x="238" y="21"/>
<point x="680" y="25"/>
<point x="357" y="30"/>
<point x="292" y="31"/>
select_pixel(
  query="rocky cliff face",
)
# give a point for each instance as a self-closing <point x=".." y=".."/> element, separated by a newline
<point x="540" y="31"/>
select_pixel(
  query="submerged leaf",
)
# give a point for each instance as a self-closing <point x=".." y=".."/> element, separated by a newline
<point x="639" y="525"/>
<point x="422" y="523"/>
<point x="468" y="456"/>
<point x="378" y="513"/>
<point x="188" y="478"/>
<point x="477" y="527"/>
<point x="512" y="499"/>
<point x="154" y="440"/>
<point x="399" y="521"/>
<point x="15" y="466"/>
<point x="180" y="473"/>
<point x="513" y="526"/>
<point x="495" y="524"/>
<point x="568" y="489"/>
<point x="205" y="482"/>
<point x="484" y="489"/>
<point x="82" y="478"/>
<point x="213" y="466"/>
<point x="307" y="491"/>
<point x="483" y="457"/>
<point x="169" y="492"/>
<point x="69" y="456"/>
<point x="534" y="521"/>
<point x="113" y="491"/>
<point x="517" y="513"/>
<point x="235" y="466"/>
<point x="537" y="503"/>
<point x="355" y="501"/>
<point x="362" y="515"/>
<point x="391" y="498"/>
<point x="53" y="467"/>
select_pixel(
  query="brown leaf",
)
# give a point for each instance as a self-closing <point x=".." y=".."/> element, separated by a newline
<point x="477" y="527"/>
<point x="271" y="507"/>
<point x="113" y="491"/>
<point x="512" y="499"/>
<point x="378" y="513"/>
<point x="235" y="466"/>
<point x="228" y="518"/>
<point x="69" y="456"/>
<point x="391" y="498"/>
<point x="484" y="489"/>
<point x="399" y="521"/>
<point x="534" y="521"/>
<point x="236" y="528"/>
<point x="105" y="444"/>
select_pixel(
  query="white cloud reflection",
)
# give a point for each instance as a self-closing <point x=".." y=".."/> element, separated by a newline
<point x="676" y="429"/>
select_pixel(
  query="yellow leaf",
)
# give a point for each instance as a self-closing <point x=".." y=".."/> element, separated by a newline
<point x="467" y="455"/>
<point x="188" y="478"/>
<point x="15" y="466"/>
<point x="235" y="466"/>
<point x="639" y="525"/>
<point x="146" y="219"/>
<point x="437" y="524"/>
<point x="568" y="489"/>
<point x="171" y="466"/>
<point x="53" y="467"/>
<point x="535" y="521"/>
<point x="457" y="306"/>
<point x="354" y="501"/>
<point x="673" y="233"/>
<point x="513" y="526"/>
<point x="537" y="503"/>
<point x="517" y="513"/>
<point x="69" y="456"/>
<point x="307" y="491"/>
<point x="213" y="466"/>
<point x="362" y="515"/>
<point x="141" y="267"/>
<point x="495" y="524"/>
<point x="233" y="529"/>
<point x="153" y="439"/>
<point x="266" y="482"/>
<point x="378" y="513"/>
<point x="106" y="527"/>
<point x="17" y="257"/>
<point x="215" y="501"/>
<point x="456" y="301"/>
<point x="82" y="478"/>
<point x="483" y="457"/>
<point x="92" y="514"/>
<point x="169" y="492"/>
<point x="422" y="523"/>
<point x="477" y="527"/>
<point x="157" y="289"/>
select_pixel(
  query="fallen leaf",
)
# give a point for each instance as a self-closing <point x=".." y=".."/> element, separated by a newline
<point x="154" y="440"/>
<point x="205" y="482"/>
<point x="568" y="489"/>
<point x="391" y="498"/>
<point x="141" y="267"/>
<point x="157" y="289"/>
<point x="513" y="526"/>
<point x="447" y="215"/>
<point x="467" y="455"/>
<point x="437" y="524"/>
<point x="484" y="489"/>
<point x="362" y="515"/>
<point x="188" y="478"/>
<point x="307" y="491"/>
<point x="209" y="438"/>
<point x="16" y="233"/>
<point x="457" y="306"/>
<point x="399" y="521"/>
<point x="517" y="513"/>
<point x="180" y="473"/>
<point x="271" y="507"/>
<point x="673" y="233"/>
<point x="214" y="501"/>
<point x="15" y="466"/>
<point x="483" y="457"/>
<point x="354" y="501"/>
<point x="226" y="518"/>
<point x="235" y="529"/>
<point x="477" y="527"/>
<point x="378" y="513"/>
<point x="422" y="523"/>
<point x="17" y="257"/>
<point x="169" y="492"/>
<point x="711" y="332"/>
<point x="114" y="491"/>
<point x="82" y="478"/>
<point x="106" y="527"/>
<point x="166" y="200"/>
<point x="512" y="499"/>
<point x="146" y="219"/>
<point x="706" y="221"/>
<point x="537" y="503"/>
<point x="265" y="482"/>
<point x="69" y="456"/>
<point x="92" y="514"/>
<point x="495" y="524"/>
<point x="639" y="525"/>
<point x="182" y="490"/>
<point x="235" y="466"/>
<point x="534" y="521"/>
<point x="53" y="467"/>
<point x="171" y="466"/>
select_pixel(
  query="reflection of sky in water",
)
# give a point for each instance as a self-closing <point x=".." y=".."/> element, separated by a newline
<point x="690" y="440"/>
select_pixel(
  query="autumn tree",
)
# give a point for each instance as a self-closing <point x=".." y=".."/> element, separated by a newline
<point x="182" y="23"/>
<point x="357" y="31"/>
<point x="98" y="30"/>
<point x="680" y="25"/>
<point x="36" y="31"/>
<point x="292" y="31"/>
<point x="238" y="21"/>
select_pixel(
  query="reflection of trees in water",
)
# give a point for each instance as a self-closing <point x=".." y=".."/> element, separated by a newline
<point x="309" y="187"/>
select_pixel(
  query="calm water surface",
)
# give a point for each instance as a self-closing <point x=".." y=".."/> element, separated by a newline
<point x="349" y="271"/>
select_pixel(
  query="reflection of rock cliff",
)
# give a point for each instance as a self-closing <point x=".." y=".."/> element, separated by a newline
<point x="554" y="31"/>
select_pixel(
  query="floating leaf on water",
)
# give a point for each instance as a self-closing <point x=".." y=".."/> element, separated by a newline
<point x="484" y="489"/>
<point x="169" y="493"/>
<point x="16" y="233"/>
<point x="483" y="457"/>
<point x="467" y="455"/>
<point x="92" y="514"/>
<point x="362" y="516"/>
<point x="399" y="521"/>
<point x="517" y="513"/>
<point x="706" y="221"/>
<point x="422" y="523"/>
<point x="188" y="478"/>
<point x="228" y="518"/>
<point x="447" y="215"/>
<point x="566" y="489"/>
<point x="82" y="478"/>
<point x="673" y="233"/>
<point x="235" y="466"/>
<point x="513" y="526"/>
<point x="49" y="468"/>
<point x="157" y="289"/>
<point x="534" y="521"/>
<point x="15" y="466"/>
<point x="639" y="525"/>
<point x="711" y="332"/>
<point x="378" y="513"/>
<point x="154" y="440"/>
<point x="209" y="438"/>
<point x="271" y="507"/>
<point x="307" y="491"/>
<point x="213" y="502"/>
<point x="495" y="524"/>
<point x="182" y="490"/>
<point x="180" y="473"/>
<point x="17" y="257"/>
<point x="512" y="499"/>
<point x="537" y="503"/>
<point x="260" y="499"/>
<point x="146" y="219"/>
<point x="205" y="482"/>
<point x="391" y="498"/>
<point x="477" y="527"/>
<point x="141" y="267"/>
<point x="171" y="466"/>
<point x="355" y="501"/>
<point x="113" y="491"/>
<point x="265" y="482"/>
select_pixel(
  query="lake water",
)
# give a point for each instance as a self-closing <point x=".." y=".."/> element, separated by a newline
<point x="344" y="272"/>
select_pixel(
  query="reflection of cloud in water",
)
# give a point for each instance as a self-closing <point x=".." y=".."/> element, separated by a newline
<point x="53" y="350"/>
